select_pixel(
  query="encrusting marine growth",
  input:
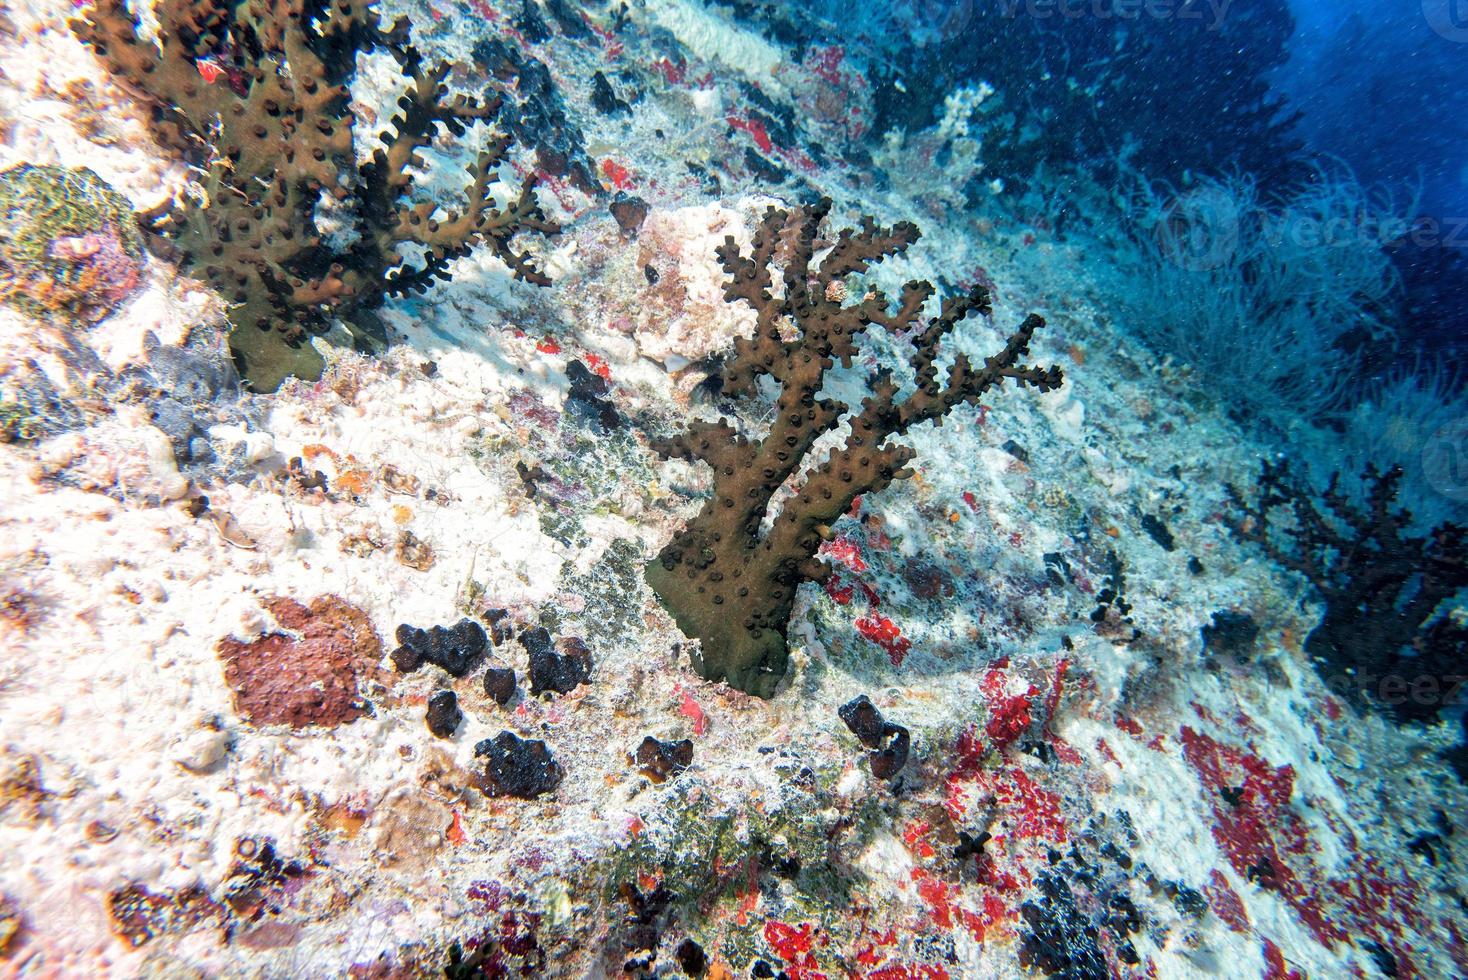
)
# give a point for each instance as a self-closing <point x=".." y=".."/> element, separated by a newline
<point x="721" y="579"/>
<point x="68" y="243"/>
<point x="256" y="94"/>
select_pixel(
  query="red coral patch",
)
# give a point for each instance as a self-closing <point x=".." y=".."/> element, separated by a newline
<point x="309" y="673"/>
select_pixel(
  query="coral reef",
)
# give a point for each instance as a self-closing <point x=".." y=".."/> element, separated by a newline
<point x="1385" y="638"/>
<point x="723" y="581"/>
<point x="68" y="243"/>
<point x="311" y="674"/>
<point x="257" y="96"/>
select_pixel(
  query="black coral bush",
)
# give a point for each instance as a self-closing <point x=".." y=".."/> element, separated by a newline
<point x="724" y="581"/>
<point x="1386" y="638"/>
<point x="256" y="94"/>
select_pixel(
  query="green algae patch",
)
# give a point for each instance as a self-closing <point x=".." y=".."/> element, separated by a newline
<point x="70" y="248"/>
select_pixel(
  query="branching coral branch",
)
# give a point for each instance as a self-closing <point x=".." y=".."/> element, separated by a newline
<point x="256" y="94"/>
<point x="1381" y="637"/>
<point x="726" y="583"/>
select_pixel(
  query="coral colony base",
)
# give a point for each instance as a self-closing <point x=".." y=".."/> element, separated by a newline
<point x="404" y="657"/>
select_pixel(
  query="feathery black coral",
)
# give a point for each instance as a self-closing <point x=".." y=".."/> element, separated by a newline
<point x="1385" y="639"/>
<point x="256" y="94"/>
<point x="722" y="580"/>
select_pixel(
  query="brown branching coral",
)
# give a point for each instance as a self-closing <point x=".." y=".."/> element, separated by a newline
<point x="724" y="581"/>
<point x="1384" y="637"/>
<point x="256" y="94"/>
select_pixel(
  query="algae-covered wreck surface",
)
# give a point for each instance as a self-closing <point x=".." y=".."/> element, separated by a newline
<point x="404" y="637"/>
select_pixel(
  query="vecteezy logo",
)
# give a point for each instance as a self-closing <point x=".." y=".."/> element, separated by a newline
<point x="1449" y="18"/>
<point x="1199" y="229"/>
<point x="946" y="19"/>
<point x="1445" y="460"/>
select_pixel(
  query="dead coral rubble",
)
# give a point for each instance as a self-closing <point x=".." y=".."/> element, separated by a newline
<point x="256" y="95"/>
<point x="723" y="581"/>
<point x="1385" y="637"/>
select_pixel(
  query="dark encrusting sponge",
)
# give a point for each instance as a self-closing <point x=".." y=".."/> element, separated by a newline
<point x="658" y="759"/>
<point x="552" y="671"/>
<point x="518" y="767"/>
<point x="724" y="581"/>
<point x="256" y="95"/>
<point x="874" y="731"/>
<point x="455" y="648"/>
<point x="443" y="715"/>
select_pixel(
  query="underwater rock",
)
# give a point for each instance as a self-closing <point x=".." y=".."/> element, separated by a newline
<point x="551" y="671"/>
<point x="499" y="684"/>
<point x="522" y="768"/>
<point x="873" y="731"/>
<point x="1231" y="633"/>
<point x="659" y="760"/>
<point x="69" y="243"/>
<point x="122" y="456"/>
<point x="189" y="389"/>
<point x="444" y="715"/>
<point x="309" y="673"/>
<point x="454" y="648"/>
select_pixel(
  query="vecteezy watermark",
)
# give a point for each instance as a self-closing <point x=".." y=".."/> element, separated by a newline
<point x="1445" y="460"/>
<point x="1199" y="230"/>
<point x="1432" y="691"/>
<point x="1449" y="18"/>
<point x="1211" y="12"/>
<point x="947" y="19"/>
<point x="1432" y="231"/>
